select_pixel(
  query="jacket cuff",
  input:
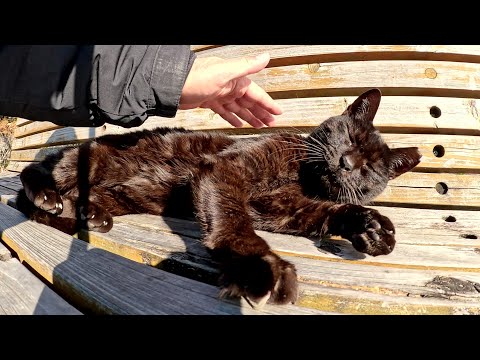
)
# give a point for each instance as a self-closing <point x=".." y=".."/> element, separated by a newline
<point x="170" y="70"/>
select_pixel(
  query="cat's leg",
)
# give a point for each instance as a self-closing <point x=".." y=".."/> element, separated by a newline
<point x="40" y="188"/>
<point x="287" y="210"/>
<point x="249" y="268"/>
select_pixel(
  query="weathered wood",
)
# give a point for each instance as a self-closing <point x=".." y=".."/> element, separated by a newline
<point x="13" y="185"/>
<point x="395" y="77"/>
<point x="409" y="114"/>
<point x="21" y="293"/>
<point x="199" y="48"/>
<point x="441" y="152"/>
<point x="17" y="166"/>
<point x="98" y="281"/>
<point x="34" y="154"/>
<point x="5" y="254"/>
<point x="461" y="153"/>
<point x="34" y="127"/>
<point x="281" y="55"/>
<point x="57" y="137"/>
<point x="403" y="277"/>
<point x="462" y="190"/>
<point x="22" y="122"/>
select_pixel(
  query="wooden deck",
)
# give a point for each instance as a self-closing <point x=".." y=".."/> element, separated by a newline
<point x="156" y="265"/>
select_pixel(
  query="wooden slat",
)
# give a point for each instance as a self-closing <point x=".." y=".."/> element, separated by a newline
<point x="57" y="137"/>
<point x="462" y="153"/>
<point x="22" y="122"/>
<point x="405" y="114"/>
<point x="17" y="166"/>
<point x="296" y="54"/>
<point x="403" y="277"/>
<point x="7" y="191"/>
<point x="394" y="77"/>
<point x="396" y="114"/>
<point x="414" y="188"/>
<point x="420" y="189"/>
<point x="34" y="127"/>
<point x="13" y="185"/>
<point x="200" y="48"/>
<point x="101" y="282"/>
<point x="5" y="254"/>
<point x="21" y="293"/>
<point x="34" y="154"/>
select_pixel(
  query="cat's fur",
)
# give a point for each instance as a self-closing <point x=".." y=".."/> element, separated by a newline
<point x="282" y="183"/>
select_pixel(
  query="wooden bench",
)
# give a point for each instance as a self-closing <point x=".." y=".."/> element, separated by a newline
<point x="155" y="265"/>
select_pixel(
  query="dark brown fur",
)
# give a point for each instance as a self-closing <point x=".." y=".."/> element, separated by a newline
<point x="281" y="183"/>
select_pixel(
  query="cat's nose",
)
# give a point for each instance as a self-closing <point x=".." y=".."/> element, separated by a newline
<point x="346" y="162"/>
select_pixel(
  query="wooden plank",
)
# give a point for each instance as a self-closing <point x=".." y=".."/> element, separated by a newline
<point x="281" y="55"/>
<point x="200" y="48"/>
<point x="34" y="154"/>
<point x="22" y="122"/>
<point x="17" y="166"/>
<point x="405" y="278"/>
<point x="414" y="189"/>
<point x="7" y="191"/>
<point x="13" y="185"/>
<point x="21" y="293"/>
<point x="393" y="77"/>
<point x="462" y="190"/>
<point x="34" y="127"/>
<point x="461" y="153"/>
<point x="441" y="152"/>
<point x="396" y="114"/>
<point x="101" y="282"/>
<point x="58" y="137"/>
<point x="5" y="254"/>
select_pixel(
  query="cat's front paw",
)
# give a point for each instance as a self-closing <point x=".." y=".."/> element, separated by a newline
<point x="260" y="279"/>
<point x="95" y="218"/>
<point x="369" y="231"/>
<point x="49" y="200"/>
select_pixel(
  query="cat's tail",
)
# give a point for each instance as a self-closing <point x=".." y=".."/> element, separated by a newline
<point x="23" y="204"/>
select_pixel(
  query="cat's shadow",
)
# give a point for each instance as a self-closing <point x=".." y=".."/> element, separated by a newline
<point x="339" y="247"/>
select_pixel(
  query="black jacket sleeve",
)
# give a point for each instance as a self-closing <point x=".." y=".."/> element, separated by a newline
<point x="88" y="85"/>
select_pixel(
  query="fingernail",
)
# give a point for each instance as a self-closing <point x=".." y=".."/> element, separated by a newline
<point x="263" y="57"/>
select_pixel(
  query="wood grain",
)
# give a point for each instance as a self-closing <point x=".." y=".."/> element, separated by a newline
<point x="281" y="55"/>
<point x="34" y="127"/>
<point x="461" y="153"/>
<point x="100" y="282"/>
<point x="21" y="293"/>
<point x="394" y="77"/>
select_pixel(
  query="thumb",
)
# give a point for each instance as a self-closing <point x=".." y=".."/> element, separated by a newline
<point x="235" y="68"/>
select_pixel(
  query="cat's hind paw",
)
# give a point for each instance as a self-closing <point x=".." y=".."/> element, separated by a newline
<point x="49" y="201"/>
<point x="96" y="219"/>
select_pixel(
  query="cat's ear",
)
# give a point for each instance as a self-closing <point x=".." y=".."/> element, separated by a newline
<point x="365" y="106"/>
<point x="402" y="160"/>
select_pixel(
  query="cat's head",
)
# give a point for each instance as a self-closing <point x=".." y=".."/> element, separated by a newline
<point x="350" y="159"/>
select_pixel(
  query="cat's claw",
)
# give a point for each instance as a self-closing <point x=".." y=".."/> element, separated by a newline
<point x="96" y="219"/>
<point x="258" y="304"/>
<point x="49" y="201"/>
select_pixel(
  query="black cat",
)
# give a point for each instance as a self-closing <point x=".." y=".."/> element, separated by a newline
<point x="281" y="183"/>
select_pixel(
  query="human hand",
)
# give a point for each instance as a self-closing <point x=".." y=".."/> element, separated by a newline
<point x="223" y="86"/>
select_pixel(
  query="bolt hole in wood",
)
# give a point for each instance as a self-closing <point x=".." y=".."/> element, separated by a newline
<point x="450" y="218"/>
<point x="469" y="236"/>
<point x="438" y="151"/>
<point x="441" y="188"/>
<point x="435" y="112"/>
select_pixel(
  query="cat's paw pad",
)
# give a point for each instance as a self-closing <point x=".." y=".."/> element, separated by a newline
<point x="49" y="200"/>
<point x="96" y="219"/>
<point x="260" y="280"/>
<point x="377" y="236"/>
